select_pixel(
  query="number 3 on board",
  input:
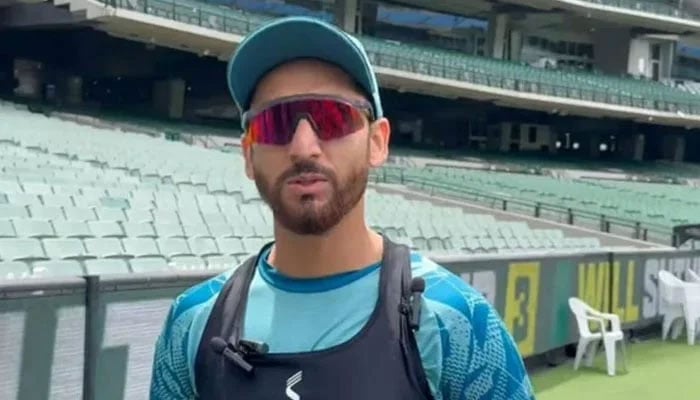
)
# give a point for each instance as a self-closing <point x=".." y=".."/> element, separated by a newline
<point x="521" y="304"/>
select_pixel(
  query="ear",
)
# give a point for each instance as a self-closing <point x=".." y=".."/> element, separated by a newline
<point x="248" y="160"/>
<point x="379" y="135"/>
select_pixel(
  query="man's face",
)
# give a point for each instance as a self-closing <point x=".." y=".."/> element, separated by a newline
<point x="309" y="184"/>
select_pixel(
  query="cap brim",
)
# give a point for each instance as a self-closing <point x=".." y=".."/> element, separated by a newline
<point x="287" y="39"/>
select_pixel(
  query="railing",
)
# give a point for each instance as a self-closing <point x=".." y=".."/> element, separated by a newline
<point x="551" y="212"/>
<point x="654" y="7"/>
<point x="237" y="22"/>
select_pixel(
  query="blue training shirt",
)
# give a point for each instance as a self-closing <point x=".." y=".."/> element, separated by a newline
<point x="467" y="352"/>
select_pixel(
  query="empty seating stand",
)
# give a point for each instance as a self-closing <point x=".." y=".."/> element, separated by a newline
<point x="129" y="203"/>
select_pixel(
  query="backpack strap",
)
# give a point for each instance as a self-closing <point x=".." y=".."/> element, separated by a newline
<point x="397" y="258"/>
<point x="224" y="328"/>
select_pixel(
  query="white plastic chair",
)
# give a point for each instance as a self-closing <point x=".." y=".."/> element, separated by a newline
<point x="691" y="310"/>
<point x="589" y="341"/>
<point x="692" y="276"/>
<point x="670" y="304"/>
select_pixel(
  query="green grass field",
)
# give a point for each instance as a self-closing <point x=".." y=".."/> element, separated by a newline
<point x="656" y="371"/>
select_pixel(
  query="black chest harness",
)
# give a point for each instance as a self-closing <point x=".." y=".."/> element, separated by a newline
<point x="381" y="362"/>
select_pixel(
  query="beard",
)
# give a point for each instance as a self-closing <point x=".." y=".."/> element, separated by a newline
<point x="304" y="216"/>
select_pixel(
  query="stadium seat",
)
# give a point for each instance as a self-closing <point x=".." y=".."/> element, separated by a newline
<point x="139" y="215"/>
<point x="72" y="229"/>
<point x="174" y="247"/>
<point x="8" y="211"/>
<point x="7" y="229"/>
<point x="221" y="229"/>
<point x="48" y="213"/>
<point x="165" y="216"/>
<point x="106" y="266"/>
<point x="203" y="246"/>
<point x="187" y="263"/>
<point x="65" y="249"/>
<point x="14" y="270"/>
<point x="37" y="188"/>
<point x="169" y="230"/>
<point x="21" y="250"/>
<point x="196" y="231"/>
<point x="23" y="199"/>
<point x="60" y="200"/>
<point x="221" y="263"/>
<point x="104" y="247"/>
<point x="139" y="229"/>
<point x="79" y="214"/>
<point x="57" y="268"/>
<point x="106" y="229"/>
<point x="110" y="214"/>
<point x="151" y="264"/>
<point x="140" y="247"/>
<point x="33" y="228"/>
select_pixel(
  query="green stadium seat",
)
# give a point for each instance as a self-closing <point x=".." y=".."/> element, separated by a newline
<point x="106" y="229"/>
<point x="37" y="188"/>
<point x="60" y="200"/>
<point x="14" y="270"/>
<point x="23" y="199"/>
<point x="218" y="263"/>
<point x="7" y="229"/>
<point x="140" y="247"/>
<point x="203" y="246"/>
<point x="80" y="214"/>
<point x="139" y="215"/>
<point x="139" y="229"/>
<point x="21" y="250"/>
<point x="32" y="228"/>
<point x="174" y="247"/>
<point x="57" y="268"/>
<point x="231" y="246"/>
<point x="65" y="249"/>
<point x="188" y="263"/>
<point x="169" y="230"/>
<point x="165" y="216"/>
<point x="105" y="247"/>
<point x="106" y="266"/>
<point x="72" y="229"/>
<point x="8" y="211"/>
<point x="196" y="231"/>
<point x="151" y="264"/>
<point x="221" y="229"/>
<point x="48" y="213"/>
<point x="10" y="186"/>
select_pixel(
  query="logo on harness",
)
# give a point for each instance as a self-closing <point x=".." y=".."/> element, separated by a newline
<point x="293" y="380"/>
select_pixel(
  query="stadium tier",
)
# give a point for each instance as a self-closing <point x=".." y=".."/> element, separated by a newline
<point x="652" y="204"/>
<point x="642" y="210"/>
<point x="75" y="199"/>
<point x="453" y="65"/>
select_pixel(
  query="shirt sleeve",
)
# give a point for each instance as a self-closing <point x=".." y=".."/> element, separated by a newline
<point x="171" y="371"/>
<point x="479" y="358"/>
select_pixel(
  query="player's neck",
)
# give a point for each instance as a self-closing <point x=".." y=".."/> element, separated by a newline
<point x="350" y="245"/>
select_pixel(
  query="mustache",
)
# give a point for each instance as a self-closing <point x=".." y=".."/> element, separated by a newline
<point x="306" y="167"/>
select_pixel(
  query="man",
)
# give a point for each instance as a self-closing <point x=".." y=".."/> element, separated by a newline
<point x="331" y="309"/>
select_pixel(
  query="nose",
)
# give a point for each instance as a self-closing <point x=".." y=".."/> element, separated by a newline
<point x="305" y="143"/>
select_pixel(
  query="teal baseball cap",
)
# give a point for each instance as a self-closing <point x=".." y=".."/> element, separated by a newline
<point x="290" y="38"/>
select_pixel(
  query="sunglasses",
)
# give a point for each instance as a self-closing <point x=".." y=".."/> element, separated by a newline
<point x="330" y="117"/>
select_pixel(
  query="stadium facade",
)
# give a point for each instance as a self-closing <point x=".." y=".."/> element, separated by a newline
<point x="598" y="79"/>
